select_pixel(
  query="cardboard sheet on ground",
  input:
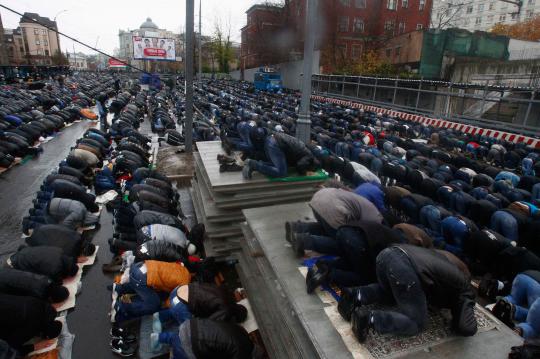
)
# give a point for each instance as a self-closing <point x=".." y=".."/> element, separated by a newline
<point x="106" y="197"/>
<point x="250" y="324"/>
<point x="15" y="162"/>
<point x="72" y="285"/>
<point x="89" y="260"/>
<point x="53" y="344"/>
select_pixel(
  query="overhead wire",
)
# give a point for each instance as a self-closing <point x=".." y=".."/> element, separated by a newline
<point x="72" y="38"/>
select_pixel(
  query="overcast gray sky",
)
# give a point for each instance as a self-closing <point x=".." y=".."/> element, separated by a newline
<point x="87" y="20"/>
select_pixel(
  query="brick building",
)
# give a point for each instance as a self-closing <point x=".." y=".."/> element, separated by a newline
<point x="347" y="28"/>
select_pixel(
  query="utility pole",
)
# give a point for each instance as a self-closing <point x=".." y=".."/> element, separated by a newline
<point x="200" y="45"/>
<point x="188" y="123"/>
<point x="303" y="124"/>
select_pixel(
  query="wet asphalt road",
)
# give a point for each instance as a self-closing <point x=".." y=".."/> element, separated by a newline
<point x="89" y="320"/>
<point x="18" y="186"/>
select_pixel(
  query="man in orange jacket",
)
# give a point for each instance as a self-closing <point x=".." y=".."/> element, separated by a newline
<point x="146" y="279"/>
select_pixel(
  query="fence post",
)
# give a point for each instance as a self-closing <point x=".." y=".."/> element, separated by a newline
<point x="375" y="88"/>
<point x="358" y="87"/>
<point x="529" y="107"/>
<point x="343" y="85"/>
<point x="395" y="90"/>
<point x="418" y="94"/>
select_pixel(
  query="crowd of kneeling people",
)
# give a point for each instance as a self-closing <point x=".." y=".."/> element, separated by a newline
<point x="33" y="281"/>
<point x="161" y="260"/>
<point x="417" y="210"/>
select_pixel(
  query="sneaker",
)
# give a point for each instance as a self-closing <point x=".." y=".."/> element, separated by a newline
<point x="317" y="275"/>
<point x="121" y="333"/>
<point x="247" y="171"/>
<point x="488" y="288"/>
<point x="118" y="346"/>
<point x="230" y="167"/>
<point x="360" y="324"/>
<point x="347" y="302"/>
<point x="156" y="323"/>
<point x="504" y="311"/>
<point x="297" y="242"/>
<point x="223" y="159"/>
<point x="155" y="345"/>
<point x="290" y="228"/>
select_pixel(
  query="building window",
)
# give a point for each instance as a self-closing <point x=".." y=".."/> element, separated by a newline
<point x="46" y="52"/>
<point x="490" y="19"/>
<point x="491" y="5"/>
<point x="401" y="27"/>
<point x="469" y="9"/>
<point x="44" y="31"/>
<point x="36" y="31"/>
<point x="21" y="49"/>
<point x="404" y="4"/>
<point x="398" y="51"/>
<point x="388" y="53"/>
<point x="38" y="42"/>
<point x="502" y="18"/>
<point x="480" y="7"/>
<point x="20" y="41"/>
<point x="391" y="4"/>
<point x="514" y="16"/>
<point x="530" y="14"/>
<point x="478" y="21"/>
<point x="358" y="25"/>
<point x="389" y="25"/>
<point x="422" y="5"/>
<point x="345" y="2"/>
<point x="356" y="51"/>
<point x="419" y="26"/>
<point x="343" y="24"/>
<point x="465" y="22"/>
<point x="531" y="2"/>
<point x="360" y="4"/>
<point x="45" y="43"/>
<point x="342" y="49"/>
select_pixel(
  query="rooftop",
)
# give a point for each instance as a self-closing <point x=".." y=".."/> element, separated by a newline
<point x="29" y="16"/>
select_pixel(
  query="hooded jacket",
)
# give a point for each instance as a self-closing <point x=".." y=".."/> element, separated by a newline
<point x="293" y="148"/>
<point x="88" y="157"/>
<point x="160" y="250"/>
<point x="69" y="190"/>
<point x="146" y="217"/>
<point x="70" y="213"/>
<point x="18" y="282"/>
<point x="23" y="317"/>
<point x="46" y="260"/>
<point x="209" y="301"/>
<point x="164" y="276"/>
<point x="211" y="339"/>
<point x="162" y="232"/>
<point x="59" y="236"/>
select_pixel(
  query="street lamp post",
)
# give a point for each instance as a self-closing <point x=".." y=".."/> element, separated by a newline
<point x="57" y="36"/>
<point x="188" y="123"/>
<point x="303" y="124"/>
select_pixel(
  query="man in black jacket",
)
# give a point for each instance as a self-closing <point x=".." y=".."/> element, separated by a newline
<point x="46" y="260"/>
<point x="68" y="240"/>
<point x="206" y="338"/>
<point x="282" y="150"/>
<point x="25" y="317"/>
<point x="18" y="282"/>
<point x="199" y="300"/>
<point x="412" y="277"/>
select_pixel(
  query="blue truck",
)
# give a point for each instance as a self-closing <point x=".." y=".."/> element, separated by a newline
<point x="268" y="79"/>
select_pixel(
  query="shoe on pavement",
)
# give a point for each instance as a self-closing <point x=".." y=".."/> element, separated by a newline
<point x="121" y="333"/>
<point x="489" y="287"/>
<point x="297" y="242"/>
<point x="118" y="346"/>
<point x="317" y="275"/>
<point x="347" y="302"/>
<point x="230" y="167"/>
<point x="290" y="228"/>
<point x="156" y="323"/>
<point x="504" y="311"/>
<point x="360" y="324"/>
<point x="155" y="345"/>
<point x="247" y="171"/>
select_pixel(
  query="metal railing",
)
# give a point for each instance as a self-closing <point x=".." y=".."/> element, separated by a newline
<point x="488" y="104"/>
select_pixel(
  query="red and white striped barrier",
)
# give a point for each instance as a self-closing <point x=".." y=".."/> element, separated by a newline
<point x="507" y="136"/>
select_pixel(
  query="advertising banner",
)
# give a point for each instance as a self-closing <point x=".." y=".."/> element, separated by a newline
<point x="153" y="48"/>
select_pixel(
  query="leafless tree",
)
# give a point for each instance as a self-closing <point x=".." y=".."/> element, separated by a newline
<point x="447" y="15"/>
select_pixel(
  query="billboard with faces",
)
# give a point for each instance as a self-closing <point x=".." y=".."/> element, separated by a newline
<point x="153" y="48"/>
